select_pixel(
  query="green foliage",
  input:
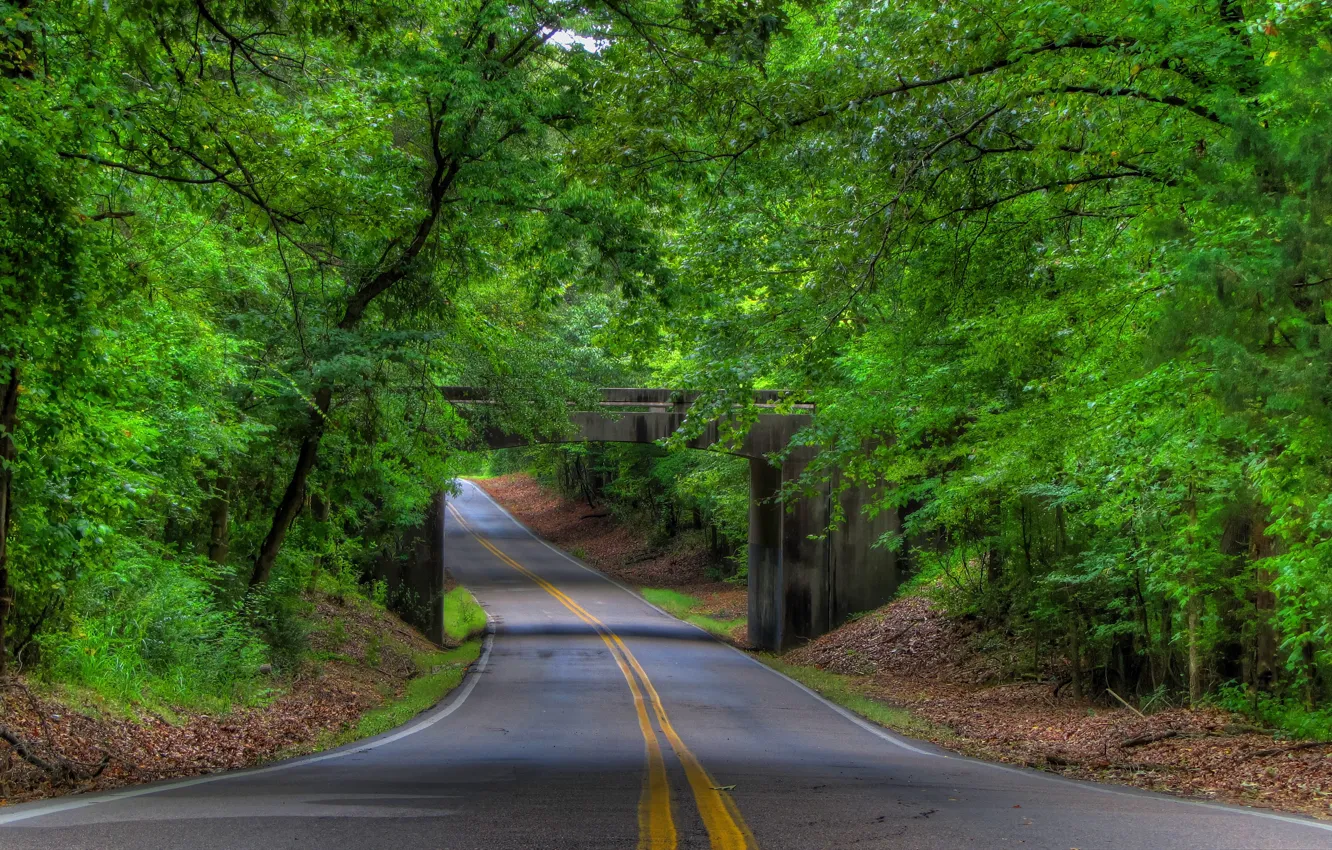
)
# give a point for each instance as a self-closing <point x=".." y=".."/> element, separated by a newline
<point x="1056" y="276"/>
<point x="144" y="632"/>
<point x="1291" y="718"/>
<point x="675" y="492"/>
<point x="241" y="246"/>
<point x="490" y="464"/>
<point x="379" y="592"/>
<point x="275" y="611"/>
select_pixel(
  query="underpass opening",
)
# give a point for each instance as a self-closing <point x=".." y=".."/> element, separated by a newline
<point x="803" y="578"/>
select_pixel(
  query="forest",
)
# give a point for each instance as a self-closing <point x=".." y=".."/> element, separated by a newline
<point x="1056" y="273"/>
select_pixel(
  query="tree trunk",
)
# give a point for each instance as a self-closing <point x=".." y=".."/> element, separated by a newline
<point x="1263" y="547"/>
<point x="994" y="553"/>
<point x="1312" y="685"/>
<point x="321" y="510"/>
<point x="1193" y="609"/>
<point x="447" y="166"/>
<point x="1166" y="635"/>
<point x="294" y="496"/>
<point x="1195" y="651"/>
<point x="1075" y="657"/>
<point x="219" y="514"/>
<point x="8" y="452"/>
<point x="1074" y="641"/>
<point x="1148" y="647"/>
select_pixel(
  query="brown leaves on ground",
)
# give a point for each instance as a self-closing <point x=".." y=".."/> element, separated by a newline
<point x="910" y="654"/>
<point x="908" y="637"/>
<point x="368" y="659"/>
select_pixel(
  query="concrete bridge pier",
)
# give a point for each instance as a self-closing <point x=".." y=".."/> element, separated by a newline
<point x="413" y="570"/>
<point x="804" y="578"/>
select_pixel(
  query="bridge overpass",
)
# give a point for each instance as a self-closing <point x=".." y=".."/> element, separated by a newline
<point x="803" y="579"/>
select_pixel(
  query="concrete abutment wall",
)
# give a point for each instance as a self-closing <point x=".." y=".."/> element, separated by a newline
<point x="414" y="573"/>
<point x="805" y="579"/>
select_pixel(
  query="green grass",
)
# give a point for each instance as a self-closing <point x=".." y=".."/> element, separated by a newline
<point x="685" y="607"/>
<point x="463" y="615"/>
<point x="446" y="673"/>
<point x="675" y="602"/>
<point x="846" y="692"/>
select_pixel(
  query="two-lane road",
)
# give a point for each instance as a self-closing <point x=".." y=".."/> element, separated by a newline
<point x="594" y="720"/>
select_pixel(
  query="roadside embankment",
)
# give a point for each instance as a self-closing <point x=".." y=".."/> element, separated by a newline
<point x="911" y="667"/>
<point x="363" y="672"/>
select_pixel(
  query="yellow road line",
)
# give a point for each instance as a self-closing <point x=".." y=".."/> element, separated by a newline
<point x="656" y="827"/>
<point x="726" y="827"/>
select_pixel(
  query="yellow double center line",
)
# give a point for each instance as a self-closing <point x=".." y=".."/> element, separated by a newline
<point x="656" y="826"/>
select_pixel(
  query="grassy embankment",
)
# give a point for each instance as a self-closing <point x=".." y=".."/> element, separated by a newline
<point x="848" y="692"/>
<point x="691" y="609"/>
<point x="349" y="669"/>
<point x="440" y="672"/>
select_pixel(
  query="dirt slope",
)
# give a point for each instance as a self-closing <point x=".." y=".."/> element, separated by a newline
<point x="362" y="656"/>
<point x="912" y="655"/>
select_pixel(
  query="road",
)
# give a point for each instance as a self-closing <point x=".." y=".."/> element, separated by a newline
<point x="593" y="720"/>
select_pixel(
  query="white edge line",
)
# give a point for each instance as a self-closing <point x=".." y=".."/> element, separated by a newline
<point x="473" y="676"/>
<point x="879" y="731"/>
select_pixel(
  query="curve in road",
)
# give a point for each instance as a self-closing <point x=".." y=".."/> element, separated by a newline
<point x="594" y="720"/>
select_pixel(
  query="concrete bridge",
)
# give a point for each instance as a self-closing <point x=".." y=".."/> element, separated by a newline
<point x="803" y="579"/>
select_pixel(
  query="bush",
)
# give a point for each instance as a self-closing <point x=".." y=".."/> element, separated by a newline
<point x="147" y="630"/>
<point x="1288" y="716"/>
<point x="275" y="610"/>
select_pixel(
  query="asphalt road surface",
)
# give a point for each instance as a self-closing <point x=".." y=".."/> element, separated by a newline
<point x="593" y="720"/>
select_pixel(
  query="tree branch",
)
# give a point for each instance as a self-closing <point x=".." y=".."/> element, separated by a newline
<point x="1090" y="42"/>
<point x="1123" y="91"/>
<point x="170" y="178"/>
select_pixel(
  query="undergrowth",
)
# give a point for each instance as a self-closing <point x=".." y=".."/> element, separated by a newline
<point x="148" y="634"/>
<point x="154" y="635"/>
<point x="1289" y="717"/>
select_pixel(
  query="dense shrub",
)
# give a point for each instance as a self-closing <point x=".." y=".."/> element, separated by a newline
<point x="145" y="628"/>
